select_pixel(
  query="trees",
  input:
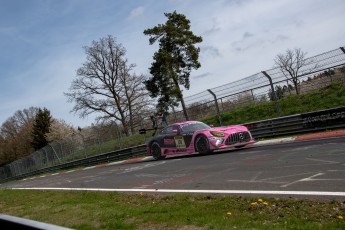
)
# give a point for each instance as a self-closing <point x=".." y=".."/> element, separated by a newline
<point x="279" y="92"/>
<point x="40" y="128"/>
<point x="105" y="85"/>
<point x="291" y="63"/>
<point x="15" y="135"/>
<point x="59" y="130"/>
<point x="173" y="61"/>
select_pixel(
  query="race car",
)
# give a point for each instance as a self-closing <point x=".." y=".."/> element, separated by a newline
<point x="194" y="136"/>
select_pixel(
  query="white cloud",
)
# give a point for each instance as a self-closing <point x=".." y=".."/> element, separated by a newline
<point x="135" y="13"/>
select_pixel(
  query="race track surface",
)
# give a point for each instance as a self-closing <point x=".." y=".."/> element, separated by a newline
<point x="313" y="169"/>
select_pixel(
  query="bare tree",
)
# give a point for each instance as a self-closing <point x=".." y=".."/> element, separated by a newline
<point x="106" y="86"/>
<point x="15" y="135"/>
<point x="291" y="64"/>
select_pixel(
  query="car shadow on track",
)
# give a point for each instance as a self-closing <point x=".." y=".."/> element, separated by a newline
<point x="187" y="156"/>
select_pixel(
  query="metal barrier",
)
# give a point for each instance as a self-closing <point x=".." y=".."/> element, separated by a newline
<point x="123" y="154"/>
<point x="300" y="123"/>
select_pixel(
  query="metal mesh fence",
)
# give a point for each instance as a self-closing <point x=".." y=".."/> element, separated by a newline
<point x="320" y="71"/>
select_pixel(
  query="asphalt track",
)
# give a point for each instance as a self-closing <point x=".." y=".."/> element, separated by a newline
<point x="311" y="166"/>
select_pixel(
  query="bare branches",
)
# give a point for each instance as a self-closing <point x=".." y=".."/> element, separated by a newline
<point x="292" y="63"/>
<point x="105" y="85"/>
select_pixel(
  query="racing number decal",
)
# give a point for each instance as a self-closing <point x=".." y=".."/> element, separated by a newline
<point x="179" y="141"/>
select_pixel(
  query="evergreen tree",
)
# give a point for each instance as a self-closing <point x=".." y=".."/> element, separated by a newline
<point x="41" y="126"/>
<point x="174" y="60"/>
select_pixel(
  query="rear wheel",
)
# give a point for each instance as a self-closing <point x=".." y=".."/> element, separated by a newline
<point x="202" y="145"/>
<point x="156" y="151"/>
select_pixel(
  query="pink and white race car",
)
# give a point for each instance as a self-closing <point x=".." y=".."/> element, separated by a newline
<point x="194" y="136"/>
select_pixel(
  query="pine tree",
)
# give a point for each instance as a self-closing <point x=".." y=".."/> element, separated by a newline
<point x="41" y="127"/>
<point x="174" y="60"/>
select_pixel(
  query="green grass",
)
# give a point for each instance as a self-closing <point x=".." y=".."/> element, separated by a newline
<point x="329" y="97"/>
<point x="111" y="210"/>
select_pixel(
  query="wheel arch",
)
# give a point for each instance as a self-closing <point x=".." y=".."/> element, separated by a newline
<point x="195" y="139"/>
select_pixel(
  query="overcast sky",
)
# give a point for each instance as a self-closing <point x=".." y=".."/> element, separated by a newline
<point x="41" y="41"/>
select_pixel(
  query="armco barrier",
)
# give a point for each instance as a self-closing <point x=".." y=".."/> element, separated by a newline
<point x="123" y="154"/>
<point x="289" y="125"/>
<point x="300" y="123"/>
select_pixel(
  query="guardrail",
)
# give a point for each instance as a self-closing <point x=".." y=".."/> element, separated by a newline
<point x="300" y="123"/>
<point x="289" y="125"/>
<point x="123" y="154"/>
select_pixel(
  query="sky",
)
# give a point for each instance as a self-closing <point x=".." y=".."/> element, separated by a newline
<point x="41" y="41"/>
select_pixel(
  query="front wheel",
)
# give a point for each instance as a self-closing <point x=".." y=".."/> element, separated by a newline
<point x="156" y="151"/>
<point x="202" y="145"/>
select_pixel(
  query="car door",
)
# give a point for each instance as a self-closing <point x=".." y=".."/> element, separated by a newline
<point x="169" y="135"/>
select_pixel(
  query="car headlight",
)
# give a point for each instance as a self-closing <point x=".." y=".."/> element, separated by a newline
<point x="219" y="141"/>
<point x="217" y="134"/>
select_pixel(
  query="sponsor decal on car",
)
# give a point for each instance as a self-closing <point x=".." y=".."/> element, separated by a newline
<point x="179" y="141"/>
<point x="168" y="141"/>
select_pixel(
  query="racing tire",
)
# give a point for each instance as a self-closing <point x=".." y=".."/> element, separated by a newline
<point x="156" y="151"/>
<point x="202" y="146"/>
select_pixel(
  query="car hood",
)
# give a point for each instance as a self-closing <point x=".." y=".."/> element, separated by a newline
<point x="233" y="128"/>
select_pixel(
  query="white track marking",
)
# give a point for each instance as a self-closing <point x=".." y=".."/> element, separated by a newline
<point x="256" y="176"/>
<point x="304" y="179"/>
<point x="259" y="192"/>
<point x="318" y="160"/>
<point x="304" y="165"/>
<point x="280" y="177"/>
<point x="140" y="167"/>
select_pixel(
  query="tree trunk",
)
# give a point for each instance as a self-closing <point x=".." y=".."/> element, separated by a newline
<point x="180" y="97"/>
<point x="295" y="82"/>
<point x="184" y="108"/>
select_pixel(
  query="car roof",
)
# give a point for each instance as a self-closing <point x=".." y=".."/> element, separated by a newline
<point x="186" y="122"/>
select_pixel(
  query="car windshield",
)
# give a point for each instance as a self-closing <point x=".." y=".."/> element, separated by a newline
<point x="191" y="127"/>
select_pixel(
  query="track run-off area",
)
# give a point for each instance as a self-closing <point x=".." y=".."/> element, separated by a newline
<point x="305" y="166"/>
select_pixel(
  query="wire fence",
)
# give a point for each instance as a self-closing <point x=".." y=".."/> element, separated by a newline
<point x="270" y="85"/>
<point x="320" y="71"/>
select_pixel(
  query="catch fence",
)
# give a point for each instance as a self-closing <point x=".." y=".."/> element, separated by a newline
<point x="318" y="72"/>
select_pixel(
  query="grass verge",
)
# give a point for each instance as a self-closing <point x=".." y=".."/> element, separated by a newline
<point x="112" y="210"/>
<point x="329" y="97"/>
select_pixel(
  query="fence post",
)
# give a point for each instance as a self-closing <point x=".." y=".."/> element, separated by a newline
<point x="251" y="90"/>
<point x="173" y="109"/>
<point x="216" y="102"/>
<point x="118" y="134"/>
<point x="55" y="153"/>
<point x="46" y="154"/>
<point x="83" y="140"/>
<point x="273" y="93"/>
<point x="221" y="102"/>
<point x="342" y="49"/>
